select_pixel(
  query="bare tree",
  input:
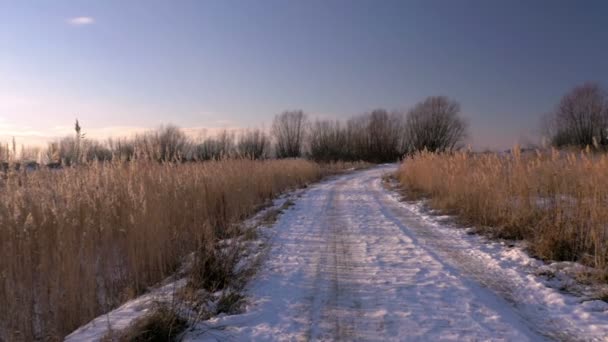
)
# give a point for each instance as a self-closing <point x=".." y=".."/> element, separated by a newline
<point x="51" y="154"/>
<point x="94" y="150"/>
<point x="253" y="144"/>
<point x="4" y="153"/>
<point x="30" y="153"/>
<point x="435" y="124"/>
<point x="289" y="130"/>
<point x="172" y="143"/>
<point x="68" y="150"/>
<point x="122" y="148"/>
<point x="168" y="143"/>
<point x="357" y="137"/>
<point x="580" y="118"/>
<point x="376" y="136"/>
<point x="385" y="134"/>
<point x="221" y="146"/>
<point x="328" y="141"/>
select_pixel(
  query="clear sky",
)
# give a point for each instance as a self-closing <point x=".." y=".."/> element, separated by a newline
<point x="122" y="66"/>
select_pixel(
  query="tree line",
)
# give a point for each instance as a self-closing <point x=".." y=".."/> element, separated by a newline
<point x="167" y="143"/>
<point x="579" y="119"/>
<point x="434" y="124"/>
<point x="377" y="136"/>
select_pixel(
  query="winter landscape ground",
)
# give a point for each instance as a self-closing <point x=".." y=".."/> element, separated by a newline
<point x="317" y="170"/>
<point x="351" y="261"/>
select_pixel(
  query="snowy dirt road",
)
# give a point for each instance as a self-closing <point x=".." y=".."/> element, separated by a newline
<point x="350" y="262"/>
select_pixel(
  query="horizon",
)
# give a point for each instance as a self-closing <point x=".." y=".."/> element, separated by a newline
<point x="123" y="68"/>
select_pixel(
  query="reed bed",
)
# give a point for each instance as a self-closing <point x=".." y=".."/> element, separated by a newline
<point x="555" y="200"/>
<point x="77" y="242"/>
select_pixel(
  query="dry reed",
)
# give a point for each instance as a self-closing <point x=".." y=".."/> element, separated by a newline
<point x="555" y="200"/>
<point x="75" y="243"/>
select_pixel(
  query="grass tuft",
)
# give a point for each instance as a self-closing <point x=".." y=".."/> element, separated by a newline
<point x="230" y="303"/>
<point x="162" y="325"/>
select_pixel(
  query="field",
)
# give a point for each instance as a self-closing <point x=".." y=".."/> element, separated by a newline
<point x="556" y="201"/>
<point x="303" y="171"/>
<point x="77" y="242"/>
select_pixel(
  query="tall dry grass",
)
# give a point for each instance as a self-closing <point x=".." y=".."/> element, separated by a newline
<point x="555" y="200"/>
<point x="77" y="242"/>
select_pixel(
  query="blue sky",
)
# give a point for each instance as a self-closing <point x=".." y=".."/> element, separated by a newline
<point x="124" y="66"/>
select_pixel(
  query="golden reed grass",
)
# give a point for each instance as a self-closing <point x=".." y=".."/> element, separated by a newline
<point x="555" y="200"/>
<point x="77" y="242"/>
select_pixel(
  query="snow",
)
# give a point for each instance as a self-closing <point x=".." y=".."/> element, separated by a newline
<point x="512" y="274"/>
<point x="351" y="262"/>
<point x="126" y="315"/>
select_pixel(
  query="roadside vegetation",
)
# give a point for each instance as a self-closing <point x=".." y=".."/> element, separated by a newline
<point x="102" y="222"/>
<point x="554" y="199"/>
<point x="86" y="225"/>
<point x="76" y="243"/>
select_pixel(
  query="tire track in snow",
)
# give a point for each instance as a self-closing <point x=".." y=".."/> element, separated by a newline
<point x="348" y="262"/>
<point x="541" y="307"/>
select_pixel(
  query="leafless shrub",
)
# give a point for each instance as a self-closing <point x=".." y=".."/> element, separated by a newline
<point x="71" y="151"/>
<point x="30" y="153"/>
<point x="68" y="151"/>
<point x="385" y="134"/>
<point x="435" y="125"/>
<point x="358" y="138"/>
<point x="254" y="144"/>
<point x="221" y="146"/>
<point x="328" y="141"/>
<point x="289" y="130"/>
<point x="168" y="143"/>
<point x="580" y="119"/>
<point x="122" y="149"/>
<point x="94" y="150"/>
<point x="376" y="136"/>
<point x="5" y="153"/>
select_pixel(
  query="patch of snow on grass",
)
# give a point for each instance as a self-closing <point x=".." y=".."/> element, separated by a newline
<point x="126" y="315"/>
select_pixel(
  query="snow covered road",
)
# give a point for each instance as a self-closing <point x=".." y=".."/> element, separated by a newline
<point x="351" y="262"/>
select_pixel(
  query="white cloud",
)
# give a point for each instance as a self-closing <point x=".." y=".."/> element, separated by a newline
<point x="81" y="21"/>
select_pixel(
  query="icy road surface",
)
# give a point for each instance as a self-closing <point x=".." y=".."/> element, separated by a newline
<point x="351" y="262"/>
